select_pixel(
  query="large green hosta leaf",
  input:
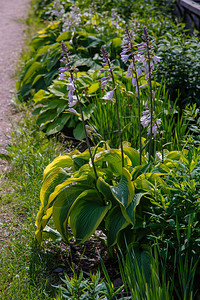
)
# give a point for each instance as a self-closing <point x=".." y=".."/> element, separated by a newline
<point x="134" y="156"/>
<point x="62" y="205"/>
<point x="64" y="161"/>
<point x="124" y="191"/>
<point x="50" y="190"/>
<point x="113" y="159"/>
<point x="129" y="212"/>
<point x="148" y="181"/>
<point x="86" y="214"/>
<point x="115" y="222"/>
<point x="105" y="189"/>
<point x="58" y="176"/>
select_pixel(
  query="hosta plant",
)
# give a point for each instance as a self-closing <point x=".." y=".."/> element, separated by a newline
<point x="73" y="197"/>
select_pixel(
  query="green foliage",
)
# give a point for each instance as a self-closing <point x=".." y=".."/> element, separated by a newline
<point x="145" y="274"/>
<point x="179" y="67"/>
<point x="25" y="271"/>
<point x="116" y="202"/>
<point x="94" y="288"/>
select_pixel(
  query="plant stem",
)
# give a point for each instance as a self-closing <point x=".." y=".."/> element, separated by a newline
<point x="151" y="150"/>
<point x="139" y="109"/>
<point x="118" y="120"/>
<point x="83" y="122"/>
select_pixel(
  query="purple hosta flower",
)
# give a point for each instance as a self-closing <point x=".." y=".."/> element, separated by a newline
<point x="105" y="57"/>
<point x="62" y="76"/>
<point x="130" y="70"/>
<point x="109" y="95"/>
<point x="139" y="72"/>
<point x="104" y="80"/>
<point x="73" y="111"/>
<point x="107" y="64"/>
<point x="125" y="57"/>
<point x="146" y="118"/>
<point x="72" y="19"/>
<point x="147" y="50"/>
<point x="58" y="10"/>
<point x="127" y="48"/>
<point x="70" y="86"/>
<point x="146" y="122"/>
<point x="116" y="20"/>
<point x="134" y="82"/>
<point x="155" y="127"/>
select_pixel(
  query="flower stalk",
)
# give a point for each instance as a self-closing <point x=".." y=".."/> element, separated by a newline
<point x="152" y="106"/>
<point x="135" y="73"/>
<point x="71" y="88"/>
<point x="110" y="94"/>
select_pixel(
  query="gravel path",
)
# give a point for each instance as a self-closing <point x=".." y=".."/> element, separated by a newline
<point x="11" y="43"/>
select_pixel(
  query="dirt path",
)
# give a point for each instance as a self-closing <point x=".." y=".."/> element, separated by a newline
<point x="11" y="42"/>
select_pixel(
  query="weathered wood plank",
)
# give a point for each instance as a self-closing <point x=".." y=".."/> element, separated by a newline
<point x="191" y="5"/>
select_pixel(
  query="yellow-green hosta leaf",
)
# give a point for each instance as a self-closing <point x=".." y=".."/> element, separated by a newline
<point x="40" y="96"/>
<point x="49" y="233"/>
<point x="115" y="222"/>
<point x="53" y="188"/>
<point x="161" y="169"/>
<point x="105" y="189"/>
<point x="134" y="156"/>
<point x="63" y="161"/>
<point x="148" y="181"/>
<point x="62" y="205"/>
<point x="116" y="42"/>
<point x="113" y="159"/>
<point x="125" y="190"/>
<point x="139" y="170"/>
<point x="35" y="67"/>
<point x="86" y="214"/>
<point x="64" y="36"/>
<point x="173" y="155"/>
<point x="51" y="181"/>
<point x="81" y="159"/>
<point x="93" y="88"/>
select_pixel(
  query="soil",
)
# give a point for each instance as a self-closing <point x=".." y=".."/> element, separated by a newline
<point x="12" y="14"/>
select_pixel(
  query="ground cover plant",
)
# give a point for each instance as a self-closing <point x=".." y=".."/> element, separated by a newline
<point x="142" y="198"/>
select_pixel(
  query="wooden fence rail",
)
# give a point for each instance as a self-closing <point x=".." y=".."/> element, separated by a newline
<point x="190" y="12"/>
<point x="192" y="6"/>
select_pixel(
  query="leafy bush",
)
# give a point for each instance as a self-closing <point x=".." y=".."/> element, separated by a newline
<point x="180" y="68"/>
<point x="114" y="202"/>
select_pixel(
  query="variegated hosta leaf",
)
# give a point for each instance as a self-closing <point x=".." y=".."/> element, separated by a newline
<point x="81" y="159"/>
<point x="125" y="190"/>
<point x="64" y="161"/>
<point x="62" y="205"/>
<point x="148" y="181"/>
<point x="173" y="155"/>
<point x="114" y="222"/>
<point x="86" y="214"/>
<point x="134" y="156"/>
<point x="52" y="186"/>
<point x="113" y="159"/>
<point x="57" y="176"/>
<point x="105" y="189"/>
